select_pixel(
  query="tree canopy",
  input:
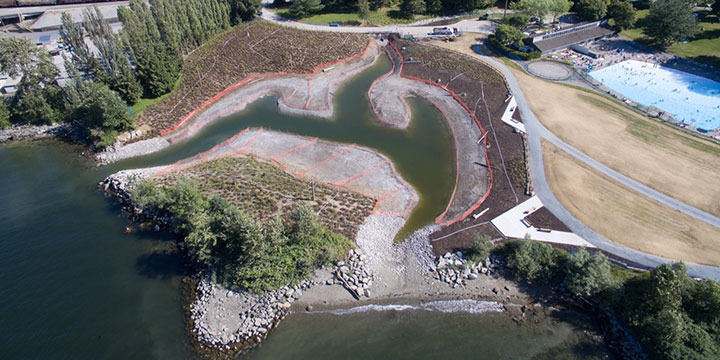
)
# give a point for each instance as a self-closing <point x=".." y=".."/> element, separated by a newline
<point x="304" y="8"/>
<point x="669" y="21"/>
<point x="542" y="8"/>
<point x="623" y="13"/>
<point x="508" y="35"/>
<point x="591" y="9"/>
<point x="587" y="274"/>
<point x="38" y="99"/>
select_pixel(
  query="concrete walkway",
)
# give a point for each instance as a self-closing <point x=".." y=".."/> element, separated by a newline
<point x="511" y="224"/>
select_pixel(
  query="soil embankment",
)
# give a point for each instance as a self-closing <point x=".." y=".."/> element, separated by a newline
<point x="473" y="181"/>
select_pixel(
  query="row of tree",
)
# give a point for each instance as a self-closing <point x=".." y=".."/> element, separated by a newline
<point x="112" y="71"/>
<point x="670" y="314"/>
<point x="240" y="250"/>
<point x="408" y="8"/>
<point x="621" y="10"/>
<point x="667" y="20"/>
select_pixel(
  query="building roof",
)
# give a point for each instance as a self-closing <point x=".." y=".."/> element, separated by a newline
<point x="571" y="38"/>
<point x="51" y="19"/>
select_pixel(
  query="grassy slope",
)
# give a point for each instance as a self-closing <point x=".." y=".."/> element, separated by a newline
<point x="705" y="47"/>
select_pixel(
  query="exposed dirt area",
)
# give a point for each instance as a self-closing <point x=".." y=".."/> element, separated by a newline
<point x="665" y="159"/>
<point x="543" y="218"/>
<point x="251" y="48"/>
<point x="264" y="191"/>
<point x="627" y="217"/>
<point x="483" y="90"/>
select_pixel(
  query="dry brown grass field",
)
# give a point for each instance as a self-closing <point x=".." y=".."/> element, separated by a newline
<point x="625" y="216"/>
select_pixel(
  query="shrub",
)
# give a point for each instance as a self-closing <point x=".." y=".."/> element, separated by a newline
<point x="495" y="44"/>
<point x="480" y="248"/>
<point x="586" y="274"/>
<point x="533" y="260"/>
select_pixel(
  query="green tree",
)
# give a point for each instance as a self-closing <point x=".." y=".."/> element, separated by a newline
<point x="518" y="21"/>
<point x="508" y="35"/>
<point x="363" y="9"/>
<point x="408" y="8"/>
<point x="480" y="248"/>
<point x="591" y="9"/>
<point x="669" y="21"/>
<point x="377" y="4"/>
<point x="4" y="114"/>
<point x="623" y="13"/>
<point x="113" y="61"/>
<point x="558" y="7"/>
<point x="245" y="10"/>
<point x="304" y="8"/>
<point x="158" y="63"/>
<point x="100" y="112"/>
<point x="38" y="100"/>
<point x="533" y="8"/>
<point x="74" y="36"/>
<point x="587" y="275"/>
<point x="533" y="260"/>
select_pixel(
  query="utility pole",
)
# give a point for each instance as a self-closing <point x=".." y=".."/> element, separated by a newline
<point x="505" y="11"/>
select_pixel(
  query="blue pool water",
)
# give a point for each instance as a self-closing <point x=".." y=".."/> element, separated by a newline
<point x="691" y="99"/>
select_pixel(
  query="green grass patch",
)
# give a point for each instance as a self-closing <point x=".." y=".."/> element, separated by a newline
<point x="144" y="103"/>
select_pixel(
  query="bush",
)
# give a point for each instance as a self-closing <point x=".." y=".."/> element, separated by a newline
<point x="495" y="44"/>
<point x="518" y="21"/>
<point x="4" y="114"/>
<point x="533" y="260"/>
<point x="587" y="275"/>
<point x="673" y="316"/>
<point x="480" y="248"/>
<point x="240" y="250"/>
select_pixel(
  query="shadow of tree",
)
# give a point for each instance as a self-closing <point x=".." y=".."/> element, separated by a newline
<point x="161" y="264"/>
<point x="708" y="59"/>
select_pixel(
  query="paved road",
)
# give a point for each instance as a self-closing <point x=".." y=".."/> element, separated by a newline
<point x="536" y="131"/>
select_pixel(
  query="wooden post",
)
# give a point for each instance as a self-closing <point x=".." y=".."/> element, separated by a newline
<point x="313" y="190"/>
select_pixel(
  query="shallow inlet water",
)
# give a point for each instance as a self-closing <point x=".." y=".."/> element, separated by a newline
<point x="73" y="286"/>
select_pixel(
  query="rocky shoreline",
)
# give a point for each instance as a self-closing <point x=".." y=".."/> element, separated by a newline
<point x="27" y="132"/>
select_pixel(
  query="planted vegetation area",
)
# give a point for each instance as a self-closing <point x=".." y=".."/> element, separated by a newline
<point x="484" y="91"/>
<point x="668" y="314"/>
<point x="265" y="192"/>
<point x="250" y="48"/>
<point x="237" y="248"/>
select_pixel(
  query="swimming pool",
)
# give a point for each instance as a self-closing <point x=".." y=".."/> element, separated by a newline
<point x="691" y="99"/>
